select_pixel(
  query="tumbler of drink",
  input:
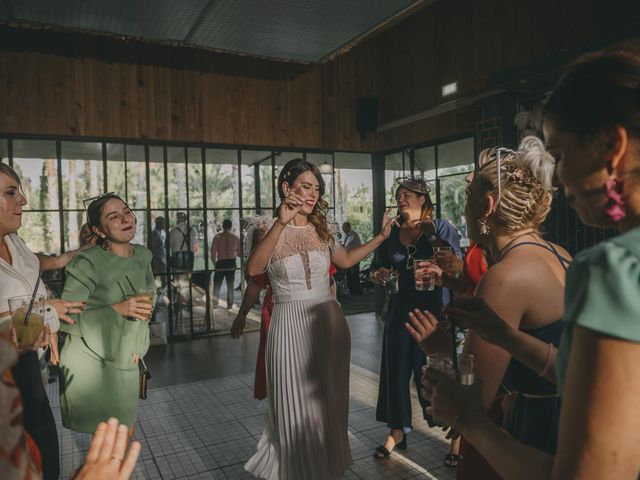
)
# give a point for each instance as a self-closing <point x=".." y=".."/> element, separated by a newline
<point x="444" y="363"/>
<point x="27" y="328"/>
<point x="439" y="252"/>
<point x="146" y="295"/>
<point x="424" y="281"/>
<point x="465" y="367"/>
<point x="392" y="286"/>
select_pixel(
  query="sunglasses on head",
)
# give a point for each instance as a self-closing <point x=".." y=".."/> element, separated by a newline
<point x="88" y="201"/>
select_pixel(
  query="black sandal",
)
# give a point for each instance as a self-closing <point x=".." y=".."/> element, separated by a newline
<point x="451" y="460"/>
<point x="381" y="451"/>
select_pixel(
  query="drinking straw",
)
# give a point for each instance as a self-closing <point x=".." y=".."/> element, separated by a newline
<point x="33" y="297"/>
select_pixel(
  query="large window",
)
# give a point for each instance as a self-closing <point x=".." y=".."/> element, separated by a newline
<point x="192" y="188"/>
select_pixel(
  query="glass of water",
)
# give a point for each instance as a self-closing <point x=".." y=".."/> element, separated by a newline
<point x="424" y="281"/>
<point x="392" y="286"/>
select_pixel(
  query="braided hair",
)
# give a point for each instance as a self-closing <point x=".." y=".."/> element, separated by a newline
<point x="524" y="190"/>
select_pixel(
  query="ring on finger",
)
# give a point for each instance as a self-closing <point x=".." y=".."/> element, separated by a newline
<point x="113" y="457"/>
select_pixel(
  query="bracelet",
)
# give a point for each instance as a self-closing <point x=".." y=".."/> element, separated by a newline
<point x="460" y="417"/>
<point x="547" y="362"/>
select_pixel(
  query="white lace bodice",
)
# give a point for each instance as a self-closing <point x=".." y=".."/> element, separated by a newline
<point x="300" y="263"/>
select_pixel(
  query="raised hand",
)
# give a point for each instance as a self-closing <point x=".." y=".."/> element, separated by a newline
<point x="65" y="307"/>
<point x="388" y="223"/>
<point x="108" y="456"/>
<point x="136" y="307"/>
<point x="449" y="262"/>
<point x="474" y="313"/>
<point x="290" y="207"/>
<point x="421" y="326"/>
<point x="427" y="227"/>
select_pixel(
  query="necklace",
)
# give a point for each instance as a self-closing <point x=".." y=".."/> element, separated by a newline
<point x="502" y="252"/>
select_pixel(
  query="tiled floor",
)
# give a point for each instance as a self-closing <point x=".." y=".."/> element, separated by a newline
<point x="208" y="429"/>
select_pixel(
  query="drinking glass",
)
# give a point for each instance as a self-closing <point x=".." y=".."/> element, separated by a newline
<point x="146" y="295"/>
<point x="27" y="329"/>
<point x="437" y="254"/>
<point x="392" y="286"/>
<point x="424" y="281"/>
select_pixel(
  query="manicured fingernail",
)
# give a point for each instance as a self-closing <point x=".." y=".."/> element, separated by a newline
<point x="112" y="421"/>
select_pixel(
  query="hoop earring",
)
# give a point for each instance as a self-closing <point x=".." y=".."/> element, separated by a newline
<point x="483" y="226"/>
<point x="616" y="207"/>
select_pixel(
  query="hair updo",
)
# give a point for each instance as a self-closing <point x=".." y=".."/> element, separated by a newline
<point x="318" y="217"/>
<point x="599" y="90"/>
<point x="526" y="184"/>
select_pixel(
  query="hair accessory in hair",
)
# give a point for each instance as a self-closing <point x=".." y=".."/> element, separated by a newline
<point x="518" y="175"/>
<point x="416" y="185"/>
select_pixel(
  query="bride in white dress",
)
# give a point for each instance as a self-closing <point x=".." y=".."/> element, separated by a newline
<point x="308" y="345"/>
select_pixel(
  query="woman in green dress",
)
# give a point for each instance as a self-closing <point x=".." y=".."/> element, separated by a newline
<point x="99" y="371"/>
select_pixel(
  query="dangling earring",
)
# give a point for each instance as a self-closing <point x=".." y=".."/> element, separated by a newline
<point x="616" y="208"/>
<point x="483" y="226"/>
<point x="106" y="244"/>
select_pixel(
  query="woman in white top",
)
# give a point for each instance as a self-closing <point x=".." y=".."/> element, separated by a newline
<point x="19" y="272"/>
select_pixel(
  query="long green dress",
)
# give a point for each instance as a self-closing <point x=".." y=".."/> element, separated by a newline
<point x="98" y="377"/>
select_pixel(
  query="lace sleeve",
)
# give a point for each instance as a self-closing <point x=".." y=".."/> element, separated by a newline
<point x="255" y="229"/>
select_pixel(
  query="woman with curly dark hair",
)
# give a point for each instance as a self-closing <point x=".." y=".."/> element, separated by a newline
<point x="308" y="346"/>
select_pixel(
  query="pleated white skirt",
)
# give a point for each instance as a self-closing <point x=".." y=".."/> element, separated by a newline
<point x="307" y="360"/>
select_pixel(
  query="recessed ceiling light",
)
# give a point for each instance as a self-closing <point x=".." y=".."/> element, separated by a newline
<point x="449" y="89"/>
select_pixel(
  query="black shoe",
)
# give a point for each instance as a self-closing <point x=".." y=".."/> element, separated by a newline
<point x="451" y="460"/>
<point x="382" y="452"/>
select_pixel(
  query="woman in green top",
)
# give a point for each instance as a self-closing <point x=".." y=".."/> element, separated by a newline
<point x="592" y="127"/>
<point x="99" y="360"/>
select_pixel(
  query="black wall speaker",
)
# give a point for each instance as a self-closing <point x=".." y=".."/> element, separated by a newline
<point x="366" y="115"/>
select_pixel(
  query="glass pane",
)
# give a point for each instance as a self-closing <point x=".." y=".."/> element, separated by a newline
<point x="41" y="232"/>
<point x="393" y="168"/>
<point x="176" y="177"/>
<point x="195" y="177"/>
<point x="136" y="177"/>
<point x="248" y="187"/>
<point x="425" y="163"/>
<point x="196" y="220"/>
<point x="156" y="177"/>
<point x="116" y="175"/>
<point x="283" y="157"/>
<point x="354" y="190"/>
<point x="73" y="222"/>
<point x="222" y="178"/>
<point x="82" y="174"/>
<point x="142" y="232"/>
<point x="4" y="150"/>
<point x="452" y="202"/>
<point x="35" y="162"/>
<point x="267" y="185"/>
<point x="455" y="157"/>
